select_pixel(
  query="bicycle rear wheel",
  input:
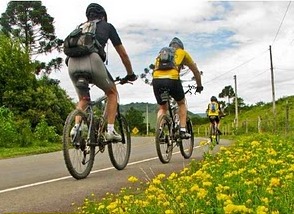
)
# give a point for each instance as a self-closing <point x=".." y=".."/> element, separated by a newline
<point x="164" y="146"/>
<point x="78" y="157"/>
<point x="217" y="137"/>
<point x="213" y="135"/>
<point x="119" y="152"/>
<point x="187" y="145"/>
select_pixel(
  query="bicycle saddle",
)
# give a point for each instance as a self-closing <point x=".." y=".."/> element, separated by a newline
<point x="83" y="79"/>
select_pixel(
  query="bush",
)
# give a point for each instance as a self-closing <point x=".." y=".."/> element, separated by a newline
<point x="45" y="134"/>
<point x="9" y="135"/>
<point x="26" y="134"/>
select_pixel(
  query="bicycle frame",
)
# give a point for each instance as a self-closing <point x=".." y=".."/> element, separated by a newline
<point x="79" y="149"/>
<point x="214" y="135"/>
<point x="168" y="131"/>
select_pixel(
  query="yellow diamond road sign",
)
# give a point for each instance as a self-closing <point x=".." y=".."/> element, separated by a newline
<point x="135" y="130"/>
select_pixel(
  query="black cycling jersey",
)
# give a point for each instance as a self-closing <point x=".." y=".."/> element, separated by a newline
<point x="105" y="31"/>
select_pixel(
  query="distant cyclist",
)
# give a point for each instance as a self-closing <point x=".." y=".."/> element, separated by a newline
<point x="214" y="112"/>
<point x="164" y="77"/>
<point x="93" y="65"/>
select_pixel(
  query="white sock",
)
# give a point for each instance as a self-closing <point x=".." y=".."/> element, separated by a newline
<point x="183" y="129"/>
<point x="110" y="128"/>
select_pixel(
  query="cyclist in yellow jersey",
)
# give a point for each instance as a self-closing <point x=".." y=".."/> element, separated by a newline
<point x="214" y="112"/>
<point x="171" y="79"/>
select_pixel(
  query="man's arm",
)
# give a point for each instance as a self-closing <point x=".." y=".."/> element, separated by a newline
<point x="193" y="67"/>
<point x="124" y="58"/>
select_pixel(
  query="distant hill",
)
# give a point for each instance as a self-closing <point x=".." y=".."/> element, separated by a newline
<point x="152" y="111"/>
<point x="152" y="108"/>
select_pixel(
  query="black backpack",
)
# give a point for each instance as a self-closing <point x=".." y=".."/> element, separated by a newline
<point x="166" y="59"/>
<point x="82" y="41"/>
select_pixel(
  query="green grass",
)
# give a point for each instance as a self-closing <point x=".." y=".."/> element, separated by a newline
<point x="17" y="151"/>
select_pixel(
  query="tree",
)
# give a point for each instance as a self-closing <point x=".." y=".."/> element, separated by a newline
<point x="228" y="91"/>
<point x="29" y="22"/>
<point x="27" y="97"/>
<point x="16" y="74"/>
<point x="135" y="118"/>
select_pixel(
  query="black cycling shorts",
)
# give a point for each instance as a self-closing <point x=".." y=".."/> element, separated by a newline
<point x="214" y="118"/>
<point x="174" y="86"/>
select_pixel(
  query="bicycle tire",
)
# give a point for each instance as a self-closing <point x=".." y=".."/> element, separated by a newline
<point x="79" y="158"/>
<point x="213" y="135"/>
<point x="217" y="137"/>
<point x="187" y="145"/>
<point x="164" y="146"/>
<point x="119" y="152"/>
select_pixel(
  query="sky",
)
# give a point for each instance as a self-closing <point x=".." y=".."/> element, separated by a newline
<point x="225" y="39"/>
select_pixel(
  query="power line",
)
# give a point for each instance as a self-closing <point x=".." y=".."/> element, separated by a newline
<point x="281" y="22"/>
<point x="217" y="77"/>
<point x="244" y="63"/>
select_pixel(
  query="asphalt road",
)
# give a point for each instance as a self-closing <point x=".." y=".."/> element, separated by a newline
<point x="41" y="183"/>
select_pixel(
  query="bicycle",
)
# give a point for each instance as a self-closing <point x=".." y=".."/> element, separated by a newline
<point x="79" y="150"/>
<point x="214" y="133"/>
<point x="167" y="135"/>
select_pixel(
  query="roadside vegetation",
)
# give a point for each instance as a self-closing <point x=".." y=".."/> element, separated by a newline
<point x="255" y="175"/>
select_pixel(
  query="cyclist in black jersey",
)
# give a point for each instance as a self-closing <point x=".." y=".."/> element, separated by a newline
<point x="94" y="67"/>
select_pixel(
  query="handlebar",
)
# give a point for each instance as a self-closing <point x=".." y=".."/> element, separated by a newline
<point x="122" y="81"/>
<point x="192" y="87"/>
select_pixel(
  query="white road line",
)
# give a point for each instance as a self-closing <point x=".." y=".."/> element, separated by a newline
<point x="67" y="177"/>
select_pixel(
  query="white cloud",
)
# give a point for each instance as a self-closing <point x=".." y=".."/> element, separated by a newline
<point x="224" y="38"/>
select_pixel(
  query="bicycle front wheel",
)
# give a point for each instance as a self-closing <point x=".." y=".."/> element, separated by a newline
<point x="119" y="152"/>
<point x="187" y="145"/>
<point x="78" y="157"/>
<point x="164" y="146"/>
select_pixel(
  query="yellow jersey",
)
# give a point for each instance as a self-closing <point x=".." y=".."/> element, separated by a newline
<point x="182" y="57"/>
<point x="213" y="109"/>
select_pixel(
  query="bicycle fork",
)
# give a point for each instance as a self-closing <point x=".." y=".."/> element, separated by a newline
<point x="119" y="118"/>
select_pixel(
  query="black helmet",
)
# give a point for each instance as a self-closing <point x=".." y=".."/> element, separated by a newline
<point x="213" y="98"/>
<point x="177" y="41"/>
<point x="97" y="9"/>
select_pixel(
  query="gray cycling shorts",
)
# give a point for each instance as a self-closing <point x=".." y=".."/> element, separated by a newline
<point x="94" y="68"/>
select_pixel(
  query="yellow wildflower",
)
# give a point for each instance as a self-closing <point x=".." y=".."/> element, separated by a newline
<point x="265" y="200"/>
<point x="172" y="176"/>
<point x="275" y="182"/>
<point x="222" y="148"/>
<point x="255" y="143"/>
<point x="194" y="188"/>
<point x="232" y="208"/>
<point x="252" y="171"/>
<point x="161" y="176"/>
<point x="289" y="176"/>
<point x="202" y="193"/>
<point x="222" y="197"/>
<point x="132" y="179"/>
<point x="207" y="183"/>
<point x="262" y="210"/>
<point x="270" y="190"/>
<point x="271" y="151"/>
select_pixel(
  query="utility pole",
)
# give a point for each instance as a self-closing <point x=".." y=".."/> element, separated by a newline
<point x="273" y="87"/>
<point x="236" y="103"/>
<point x="273" y="83"/>
<point x="147" y="120"/>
